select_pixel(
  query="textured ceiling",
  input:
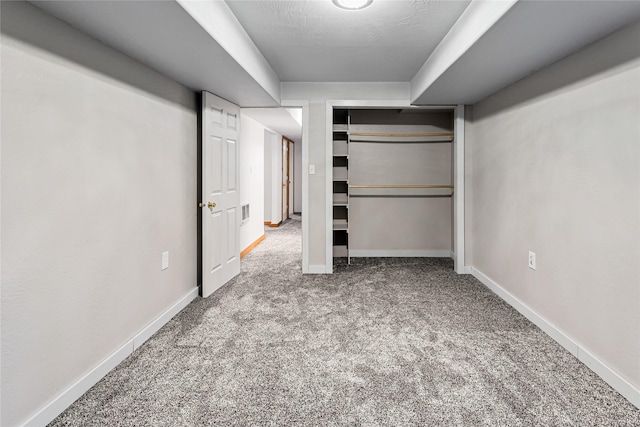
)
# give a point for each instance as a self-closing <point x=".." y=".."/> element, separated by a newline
<point x="312" y="40"/>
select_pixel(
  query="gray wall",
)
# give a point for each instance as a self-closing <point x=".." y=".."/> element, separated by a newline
<point x="297" y="177"/>
<point x="252" y="187"/>
<point x="317" y="215"/>
<point x="317" y="95"/>
<point x="99" y="159"/>
<point x="268" y="175"/>
<point x="554" y="167"/>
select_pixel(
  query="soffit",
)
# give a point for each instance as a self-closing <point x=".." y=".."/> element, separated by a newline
<point x="279" y="120"/>
<point x="164" y="36"/>
<point x="530" y="36"/>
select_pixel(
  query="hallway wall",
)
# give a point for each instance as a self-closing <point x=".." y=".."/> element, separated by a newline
<point x="99" y="156"/>
<point x="297" y="177"/>
<point x="252" y="177"/>
<point x="554" y="168"/>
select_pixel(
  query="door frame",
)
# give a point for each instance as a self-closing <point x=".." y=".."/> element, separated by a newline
<point x="304" y="105"/>
<point x="291" y="184"/>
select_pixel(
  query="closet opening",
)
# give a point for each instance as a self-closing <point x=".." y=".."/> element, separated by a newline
<point x="393" y="182"/>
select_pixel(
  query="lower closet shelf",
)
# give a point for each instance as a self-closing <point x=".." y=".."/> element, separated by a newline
<point x="340" y="224"/>
<point x="340" y="251"/>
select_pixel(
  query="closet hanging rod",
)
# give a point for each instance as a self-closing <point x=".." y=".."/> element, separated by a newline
<point x="400" y="134"/>
<point x="401" y="186"/>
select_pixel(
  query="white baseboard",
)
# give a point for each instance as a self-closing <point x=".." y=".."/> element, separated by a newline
<point x="318" y="269"/>
<point x="399" y="253"/>
<point x="622" y="386"/>
<point x="54" y="408"/>
<point x="164" y="318"/>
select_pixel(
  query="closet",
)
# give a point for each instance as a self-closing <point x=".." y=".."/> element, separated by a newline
<point x="392" y="182"/>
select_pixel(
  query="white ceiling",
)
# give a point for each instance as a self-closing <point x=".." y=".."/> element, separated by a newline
<point x="314" y="41"/>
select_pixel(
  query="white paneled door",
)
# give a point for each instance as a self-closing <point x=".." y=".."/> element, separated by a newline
<point x="220" y="196"/>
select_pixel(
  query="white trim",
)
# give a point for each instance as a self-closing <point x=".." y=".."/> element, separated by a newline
<point x="304" y="104"/>
<point x="459" y="191"/>
<point x="318" y="269"/>
<point x="329" y="186"/>
<point x="622" y="386"/>
<point x="399" y="253"/>
<point x="348" y="103"/>
<point x="164" y="318"/>
<point x="54" y="408"/>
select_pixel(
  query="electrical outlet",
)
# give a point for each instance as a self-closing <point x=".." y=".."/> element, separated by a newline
<point x="165" y="260"/>
<point x="532" y="260"/>
<point x="312" y="169"/>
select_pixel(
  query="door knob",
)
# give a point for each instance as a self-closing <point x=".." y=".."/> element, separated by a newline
<point x="210" y="205"/>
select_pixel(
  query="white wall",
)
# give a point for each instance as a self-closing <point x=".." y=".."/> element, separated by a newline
<point x="275" y="142"/>
<point x="297" y="177"/>
<point x="291" y="175"/>
<point x="272" y="175"/>
<point x="252" y="178"/>
<point x="98" y="179"/>
<point x="268" y="175"/>
<point x="554" y="168"/>
<point x="317" y="94"/>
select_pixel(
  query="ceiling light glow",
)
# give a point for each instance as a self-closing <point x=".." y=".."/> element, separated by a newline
<point x="352" y="4"/>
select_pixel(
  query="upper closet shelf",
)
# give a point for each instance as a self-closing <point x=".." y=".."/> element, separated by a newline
<point x="340" y="128"/>
<point x="399" y="133"/>
<point x="401" y="137"/>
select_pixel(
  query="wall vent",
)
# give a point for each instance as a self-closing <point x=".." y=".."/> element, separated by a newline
<point x="245" y="214"/>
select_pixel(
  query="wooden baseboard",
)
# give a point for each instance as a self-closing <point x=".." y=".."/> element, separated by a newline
<point x="268" y="223"/>
<point x="251" y="246"/>
<point x="275" y="225"/>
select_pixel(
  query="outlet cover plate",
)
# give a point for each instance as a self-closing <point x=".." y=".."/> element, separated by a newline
<point x="165" y="260"/>
<point x="532" y="260"/>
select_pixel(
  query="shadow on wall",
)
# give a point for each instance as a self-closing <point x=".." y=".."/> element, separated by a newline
<point x="70" y="47"/>
<point x="569" y="76"/>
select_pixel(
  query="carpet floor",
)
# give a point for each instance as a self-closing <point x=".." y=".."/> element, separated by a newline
<point x="383" y="342"/>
